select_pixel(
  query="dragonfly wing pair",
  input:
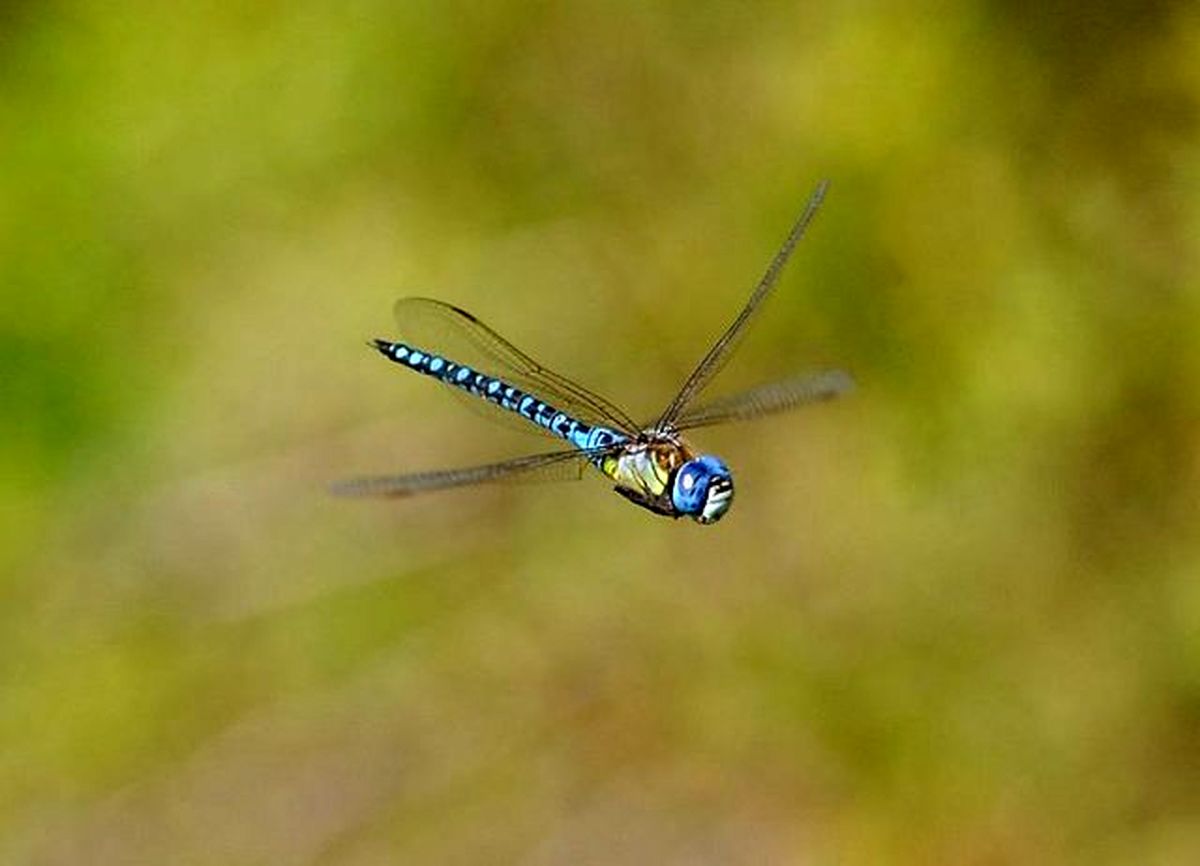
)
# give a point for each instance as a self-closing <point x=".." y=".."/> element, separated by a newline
<point x="551" y="466"/>
<point x="767" y="399"/>
<point x="458" y="335"/>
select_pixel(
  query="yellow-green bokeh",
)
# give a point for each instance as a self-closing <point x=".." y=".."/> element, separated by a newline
<point x="952" y="619"/>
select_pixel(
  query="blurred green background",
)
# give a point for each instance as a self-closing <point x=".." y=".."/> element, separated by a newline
<point x="952" y="619"/>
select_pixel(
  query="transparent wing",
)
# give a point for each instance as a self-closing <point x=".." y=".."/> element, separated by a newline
<point x="712" y="363"/>
<point x="439" y="327"/>
<point x="552" y="466"/>
<point x="768" y="399"/>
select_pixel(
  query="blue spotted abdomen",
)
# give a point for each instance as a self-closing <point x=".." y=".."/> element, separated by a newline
<point x="507" y="396"/>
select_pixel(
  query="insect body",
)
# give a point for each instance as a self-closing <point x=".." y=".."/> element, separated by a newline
<point x="651" y="465"/>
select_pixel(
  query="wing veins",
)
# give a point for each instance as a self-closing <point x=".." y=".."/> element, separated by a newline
<point x="543" y="382"/>
<point x="442" y="479"/>
<point x="768" y="399"/>
<point x="720" y="352"/>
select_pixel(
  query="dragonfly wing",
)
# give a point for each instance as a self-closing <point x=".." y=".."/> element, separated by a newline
<point x="439" y="327"/>
<point x="552" y="466"/>
<point x="719" y="354"/>
<point x="768" y="399"/>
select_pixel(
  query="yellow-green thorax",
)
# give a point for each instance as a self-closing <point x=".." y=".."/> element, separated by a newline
<point x="646" y="468"/>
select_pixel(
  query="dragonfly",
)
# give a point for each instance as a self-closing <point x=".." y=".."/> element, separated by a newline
<point x="651" y="464"/>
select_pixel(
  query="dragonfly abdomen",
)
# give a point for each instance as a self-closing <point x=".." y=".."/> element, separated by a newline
<point x="504" y="394"/>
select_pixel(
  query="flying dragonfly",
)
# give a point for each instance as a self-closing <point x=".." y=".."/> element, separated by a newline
<point x="651" y="465"/>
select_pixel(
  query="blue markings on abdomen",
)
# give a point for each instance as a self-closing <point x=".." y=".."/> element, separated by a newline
<point x="506" y="396"/>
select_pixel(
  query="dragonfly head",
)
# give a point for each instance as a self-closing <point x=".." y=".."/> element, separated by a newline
<point x="703" y="489"/>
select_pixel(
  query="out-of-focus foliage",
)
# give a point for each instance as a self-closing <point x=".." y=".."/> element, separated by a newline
<point x="953" y="619"/>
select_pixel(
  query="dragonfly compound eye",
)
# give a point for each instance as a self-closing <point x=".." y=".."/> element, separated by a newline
<point x="703" y="489"/>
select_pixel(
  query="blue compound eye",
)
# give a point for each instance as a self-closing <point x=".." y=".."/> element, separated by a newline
<point x="703" y="489"/>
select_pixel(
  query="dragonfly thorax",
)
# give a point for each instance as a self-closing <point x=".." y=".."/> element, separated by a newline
<point x="647" y="466"/>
